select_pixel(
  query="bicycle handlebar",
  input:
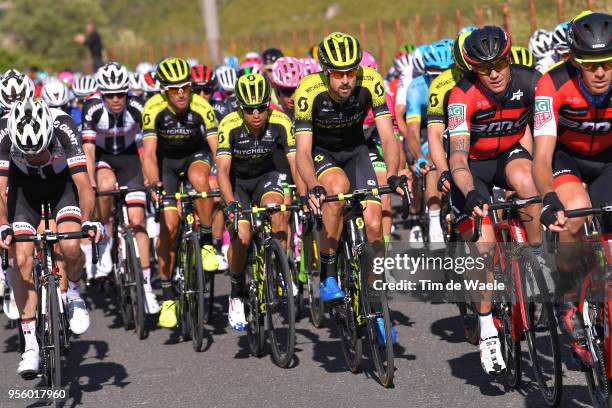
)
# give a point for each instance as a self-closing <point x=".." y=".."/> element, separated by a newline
<point x="583" y="212"/>
<point x="514" y="203"/>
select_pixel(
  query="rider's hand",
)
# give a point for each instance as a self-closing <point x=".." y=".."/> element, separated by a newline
<point x="319" y="191"/>
<point x="91" y="226"/>
<point x="154" y="196"/>
<point x="421" y="166"/>
<point x="395" y="182"/>
<point x="304" y="203"/>
<point x="232" y="208"/>
<point x="6" y="236"/>
<point x="476" y="204"/>
<point x="444" y="182"/>
<point x="553" y="213"/>
<point x="408" y="174"/>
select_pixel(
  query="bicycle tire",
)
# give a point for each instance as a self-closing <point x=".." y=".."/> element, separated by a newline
<point x="511" y="349"/>
<point x="194" y="284"/>
<point x="122" y="283"/>
<point x="597" y="376"/>
<point x="180" y="285"/>
<point x="209" y="282"/>
<point x="279" y="298"/>
<point x="313" y="269"/>
<point x="345" y="315"/>
<point x="53" y="316"/>
<point x="135" y="278"/>
<point x="528" y="263"/>
<point x="254" y="317"/>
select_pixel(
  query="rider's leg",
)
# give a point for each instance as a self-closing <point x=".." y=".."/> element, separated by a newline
<point x="166" y="248"/>
<point x="106" y="180"/>
<point x="519" y="178"/>
<point x="198" y="177"/>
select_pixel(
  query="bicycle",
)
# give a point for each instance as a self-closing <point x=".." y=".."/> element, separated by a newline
<point x="361" y="307"/>
<point x="127" y="270"/>
<point x="270" y="306"/>
<point x="52" y="328"/>
<point x="195" y="287"/>
<point x="516" y="316"/>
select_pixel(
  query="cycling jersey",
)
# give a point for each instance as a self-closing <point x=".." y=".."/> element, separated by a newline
<point x="416" y="98"/>
<point x="178" y="135"/>
<point x="65" y="150"/>
<point x="494" y="125"/>
<point x="402" y="89"/>
<point x="579" y="121"/>
<point x="439" y="93"/>
<point x="224" y="107"/>
<point x="252" y="157"/>
<point x="544" y="64"/>
<point x="338" y="125"/>
<point x="112" y="133"/>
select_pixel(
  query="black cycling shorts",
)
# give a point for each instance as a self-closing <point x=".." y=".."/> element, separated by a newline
<point x="251" y="191"/>
<point x="355" y="163"/>
<point x="128" y="172"/>
<point x="486" y="175"/>
<point x="27" y="194"/>
<point x="171" y="169"/>
<point x="594" y="171"/>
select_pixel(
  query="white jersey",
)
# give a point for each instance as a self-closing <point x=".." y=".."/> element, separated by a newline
<point x="402" y="89"/>
<point x="544" y="63"/>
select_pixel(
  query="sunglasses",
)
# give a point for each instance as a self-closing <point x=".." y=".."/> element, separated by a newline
<point x="592" y="66"/>
<point x="176" y="89"/>
<point x="351" y="73"/>
<point x="207" y="89"/>
<point x="251" y="109"/>
<point x="286" y="91"/>
<point x="497" y="66"/>
<point x="115" y="96"/>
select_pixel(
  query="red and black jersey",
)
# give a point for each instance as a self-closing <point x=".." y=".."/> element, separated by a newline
<point x="563" y="108"/>
<point x="494" y="125"/>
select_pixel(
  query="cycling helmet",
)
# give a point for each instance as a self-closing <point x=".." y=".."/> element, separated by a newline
<point x="252" y="57"/>
<point x="113" y="78"/>
<point x="339" y="51"/>
<point x="287" y="72"/>
<point x="521" y="56"/>
<point x="149" y="83"/>
<point x="417" y="59"/>
<point x="486" y="44"/>
<point x="270" y="55"/>
<point x="30" y="125"/>
<point x="408" y="47"/>
<point x="311" y="66"/>
<point x="590" y="36"/>
<point x="135" y="81"/>
<point x="403" y="62"/>
<point x="541" y="43"/>
<point x="232" y="61"/>
<point x="144" y="67"/>
<point x="55" y="94"/>
<point x="252" y="90"/>
<point x="559" y="38"/>
<point x="15" y="86"/>
<point x="368" y="60"/>
<point x="173" y="71"/>
<point x="66" y="77"/>
<point x="202" y="75"/>
<point x="84" y="86"/>
<point x="250" y="68"/>
<point x="458" y="56"/>
<point x="438" y="56"/>
<point x="227" y="77"/>
<point x="192" y="62"/>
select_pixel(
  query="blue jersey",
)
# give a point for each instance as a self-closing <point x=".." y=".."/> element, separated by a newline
<point x="417" y="99"/>
<point x="76" y="115"/>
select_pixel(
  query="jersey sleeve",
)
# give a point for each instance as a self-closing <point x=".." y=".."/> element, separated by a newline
<point x="88" y="120"/>
<point x="304" y="98"/>
<point x="400" y="95"/>
<point x="546" y="108"/>
<point x="66" y="131"/>
<point x="224" y="144"/>
<point x="5" y="148"/>
<point x="287" y="135"/>
<point x="458" y="113"/>
<point x="203" y="108"/>
<point x="414" y="100"/>
<point x="377" y="90"/>
<point x="149" y="115"/>
<point x="435" y="103"/>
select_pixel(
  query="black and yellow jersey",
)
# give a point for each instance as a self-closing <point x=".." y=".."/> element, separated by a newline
<point x="337" y="125"/>
<point x="178" y="135"/>
<point x="439" y="92"/>
<point x="252" y="157"/>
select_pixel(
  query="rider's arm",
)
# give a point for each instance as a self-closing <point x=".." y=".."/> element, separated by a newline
<point x="459" y="133"/>
<point x="3" y="212"/>
<point x="288" y="144"/>
<point x="435" y="133"/>
<point x="413" y="116"/>
<point x="304" y="136"/>
<point x="389" y="144"/>
<point x="202" y="106"/>
<point x="223" y="159"/>
<point x="149" y="160"/>
<point x="90" y="154"/>
<point x="400" y="107"/>
<point x="86" y="195"/>
<point x="89" y="116"/>
<point x="527" y="140"/>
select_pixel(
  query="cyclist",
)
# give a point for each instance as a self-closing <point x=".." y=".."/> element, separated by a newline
<point x="332" y="156"/>
<point x="14" y="87"/>
<point x="286" y="75"/>
<point x="541" y="43"/>
<point x="573" y="145"/>
<point x="84" y="88"/>
<point x="489" y="114"/>
<point x="42" y="161"/>
<point x="56" y="95"/>
<point x="179" y="134"/>
<point x="224" y="102"/>
<point x="521" y="56"/>
<point x="311" y="66"/>
<point x="560" y="48"/>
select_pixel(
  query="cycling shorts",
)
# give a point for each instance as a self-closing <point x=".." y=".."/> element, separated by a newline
<point x="486" y="175"/>
<point x="251" y="191"/>
<point x="171" y="169"/>
<point x="128" y="172"/>
<point x="376" y="156"/>
<point x="27" y="194"/>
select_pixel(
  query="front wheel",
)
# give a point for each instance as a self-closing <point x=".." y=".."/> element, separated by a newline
<point x="53" y="320"/>
<point x="136" y="289"/>
<point x="312" y="267"/>
<point x="252" y="306"/>
<point x="195" y="288"/>
<point x="510" y="347"/>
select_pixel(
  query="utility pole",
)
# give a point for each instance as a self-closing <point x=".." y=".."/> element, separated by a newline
<point x="211" y="25"/>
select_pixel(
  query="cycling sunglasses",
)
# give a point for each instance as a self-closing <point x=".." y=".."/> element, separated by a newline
<point x="351" y="73"/>
<point x="497" y="66"/>
<point x="176" y="89"/>
<point x="207" y="89"/>
<point x="111" y="96"/>
<point x="592" y="66"/>
<point x="286" y="91"/>
<point x="251" y="109"/>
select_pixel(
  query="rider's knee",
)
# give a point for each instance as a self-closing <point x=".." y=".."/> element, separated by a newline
<point x="23" y="261"/>
<point x="71" y="249"/>
<point x="105" y="183"/>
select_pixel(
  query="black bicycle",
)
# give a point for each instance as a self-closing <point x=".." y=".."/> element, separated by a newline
<point x="52" y="328"/>
<point x="195" y="287"/>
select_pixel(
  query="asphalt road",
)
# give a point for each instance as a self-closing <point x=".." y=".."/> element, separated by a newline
<point x="109" y="366"/>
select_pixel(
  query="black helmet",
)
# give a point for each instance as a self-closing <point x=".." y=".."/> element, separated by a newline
<point x="270" y="55"/>
<point x="486" y="44"/>
<point x="591" y="34"/>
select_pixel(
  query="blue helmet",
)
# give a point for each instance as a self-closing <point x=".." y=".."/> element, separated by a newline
<point x="467" y="29"/>
<point x="417" y="54"/>
<point x="439" y="55"/>
<point x="232" y="61"/>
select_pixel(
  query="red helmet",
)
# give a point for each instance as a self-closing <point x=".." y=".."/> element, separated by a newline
<point x="202" y="75"/>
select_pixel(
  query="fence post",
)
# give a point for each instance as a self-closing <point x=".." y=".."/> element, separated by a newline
<point x="138" y="54"/>
<point x="165" y="49"/>
<point x="480" y="16"/>
<point x="151" y="54"/>
<point x="398" y="33"/>
<point x="590" y="4"/>
<point x="417" y="28"/>
<point x="560" y="13"/>
<point x="325" y="30"/>
<point x="458" y="23"/>
<point x="381" y="40"/>
<point x="506" y="13"/>
<point x="294" y="42"/>
<point x="205" y="50"/>
<point x="262" y="42"/>
<point x="277" y="39"/>
<point x="249" y="42"/>
<point x="125" y="55"/>
<point x="362" y="35"/>
<point x="532" y="15"/>
<point x="438" y="28"/>
<point x="178" y="49"/>
<point x="311" y="40"/>
<point x="233" y="46"/>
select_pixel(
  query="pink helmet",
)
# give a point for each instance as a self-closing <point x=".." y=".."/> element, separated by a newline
<point x="367" y="60"/>
<point x="287" y="72"/>
<point x="66" y="77"/>
<point x="311" y="66"/>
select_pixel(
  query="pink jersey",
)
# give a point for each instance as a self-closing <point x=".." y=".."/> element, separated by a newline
<point x="369" y="119"/>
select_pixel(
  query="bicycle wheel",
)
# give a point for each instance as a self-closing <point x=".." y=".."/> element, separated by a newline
<point x="345" y="314"/>
<point x="209" y="296"/>
<point x="54" y="346"/>
<point x="194" y="285"/>
<point x="542" y="336"/>
<point x="511" y="349"/>
<point x="596" y="374"/>
<point x="134" y="276"/>
<point x="252" y="307"/>
<point x="123" y="284"/>
<point x="376" y="305"/>
<point x="182" y="312"/>
<point x="313" y="269"/>
<point x="280" y="307"/>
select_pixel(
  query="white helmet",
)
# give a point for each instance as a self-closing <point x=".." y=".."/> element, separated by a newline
<point x="30" y="125"/>
<point x="135" y="81"/>
<point x="404" y="63"/>
<point x="113" y="78"/>
<point x="541" y="43"/>
<point x="227" y="77"/>
<point x="144" y="67"/>
<point x="84" y="86"/>
<point x="559" y="38"/>
<point x="55" y="94"/>
<point x="417" y="61"/>
<point x="149" y="83"/>
<point x="192" y="61"/>
<point x="15" y="86"/>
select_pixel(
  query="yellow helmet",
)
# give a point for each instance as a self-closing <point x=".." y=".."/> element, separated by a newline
<point x="521" y="56"/>
<point x="458" y="57"/>
<point x="339" y="51"/>
<point x="252" y="90"/>
<point x="173" y="71"/>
